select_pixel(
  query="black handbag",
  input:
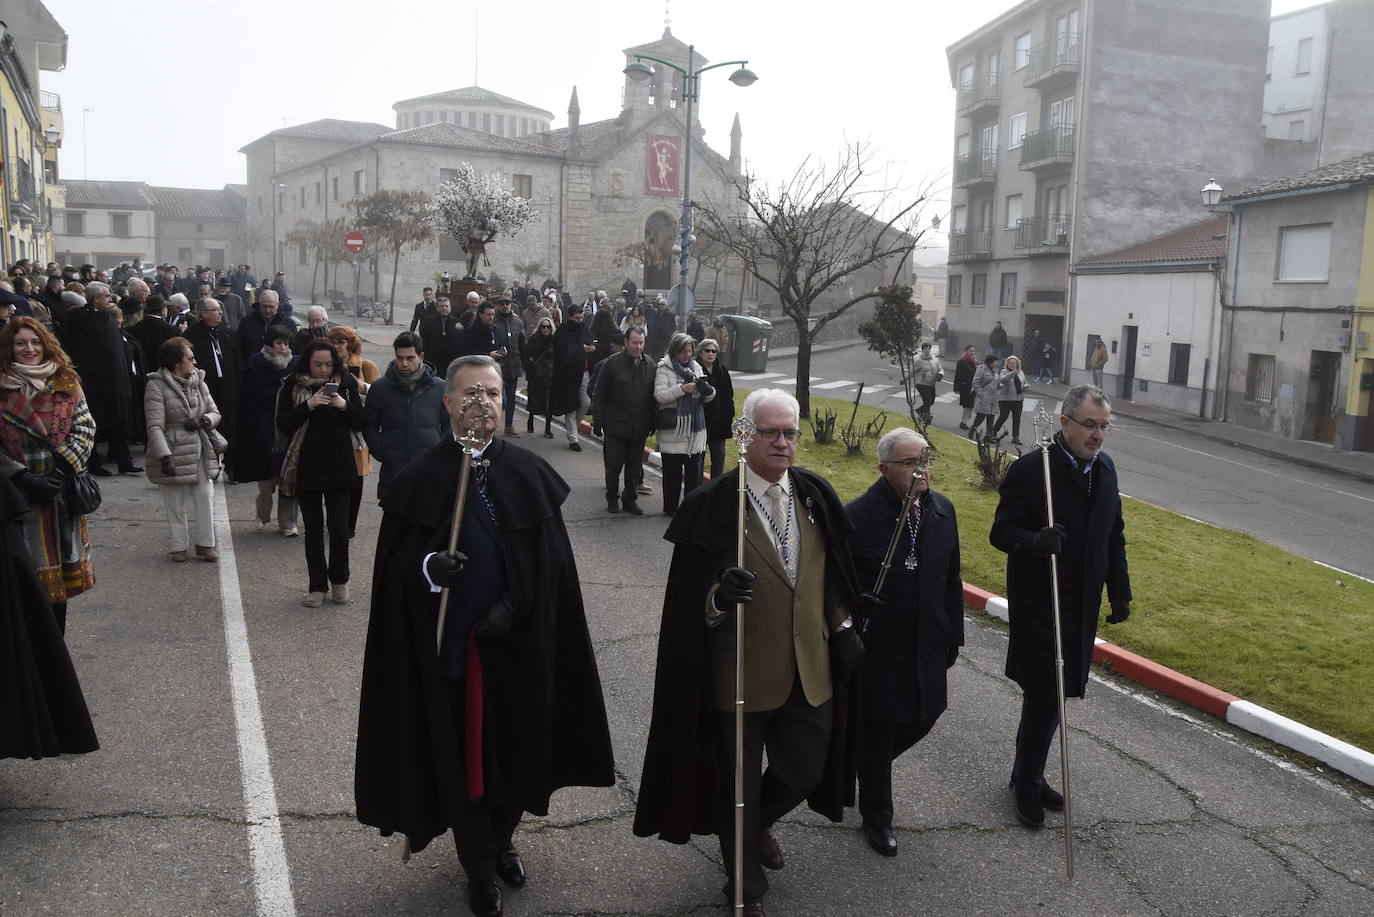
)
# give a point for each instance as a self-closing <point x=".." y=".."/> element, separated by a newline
<point x="667" y="418"/>
<point x="79" y="490"/>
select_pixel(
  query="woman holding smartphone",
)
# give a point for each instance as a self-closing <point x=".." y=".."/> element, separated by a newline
<point x="318" y="411"/>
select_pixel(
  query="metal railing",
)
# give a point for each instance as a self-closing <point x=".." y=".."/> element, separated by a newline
<point x="1061" y="51"/>
<point x="23" y="191"/>
<point x="978" y="91"/>
<point x="970" y="244"/>
<point x="49" y="101"/>
<point x="1049" y="143"/>
<point x="1046" y="231"/>
<point x="974" y="167"/>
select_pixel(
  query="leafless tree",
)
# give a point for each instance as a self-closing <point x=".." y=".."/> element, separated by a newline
<point x="815" y="233"/>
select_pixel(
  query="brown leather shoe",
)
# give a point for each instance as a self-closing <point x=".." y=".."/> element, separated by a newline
<point x="770" y="852"/>
<point x="510" y="431"/>
<point x="207" y="553"/>
<point x="178" y="556"/>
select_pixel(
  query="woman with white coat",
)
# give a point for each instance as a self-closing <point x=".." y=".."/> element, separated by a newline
<point x="984" y="396"/>
<point x="681" y="392"/>
<point x="182" y="459"/>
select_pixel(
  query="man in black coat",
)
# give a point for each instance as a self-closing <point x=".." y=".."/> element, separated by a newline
<point x="510" y="342"/>
<point x="217" y="354"/>
<point x="153" y="329"/>
<point x="441" y="335"/>
<point x="568" y="384"/>
<point x="254" y="325"/>
<point x="510" y="708"/>
<point x="92" y="339"/>
<point x="964" y="370"/>
<point x="623" y="406"/>
<point x="423" y="309"/>
<point x="917" y="627"/>
<point x="801" y="634"/>
<point x="1088" y="537"/>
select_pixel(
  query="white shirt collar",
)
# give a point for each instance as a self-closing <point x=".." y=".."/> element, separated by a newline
<point x="758" y="485"/>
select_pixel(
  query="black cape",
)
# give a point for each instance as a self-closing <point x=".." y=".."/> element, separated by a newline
<point x="906" y="647"/>
<point x="1094" y="553"/>
<point x="544" y="719"/>
<point x="42" y="710"/>
<point x="678" y="792"/>
<point x="92" y="340"/>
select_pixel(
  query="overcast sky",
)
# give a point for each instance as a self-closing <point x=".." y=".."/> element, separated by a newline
<point x="174" y="109"/>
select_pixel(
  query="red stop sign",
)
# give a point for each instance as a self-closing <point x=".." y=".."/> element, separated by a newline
<point x="354" y="241"/>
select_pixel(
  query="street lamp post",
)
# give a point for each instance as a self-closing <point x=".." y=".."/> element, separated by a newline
<point x="277" y="189"/>
<point x="639" y="72"/>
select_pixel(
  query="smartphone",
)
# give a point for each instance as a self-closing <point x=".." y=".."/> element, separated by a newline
<point x="331" y="388"/>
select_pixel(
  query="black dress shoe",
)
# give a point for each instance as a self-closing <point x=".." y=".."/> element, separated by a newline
<point x="612" y="505"/>
<point x="130" y="469"/>
<point x="632" y="507"/>
<point x="880" y="838"/>
<point x="1051" y="798"/>
<point x="484" y="897"/>
<point x="1030" y="811"/>
<point x="576" y="447"/>
<point x="510" y="867"/>
<point x="99" y="471"/>
<point x="770" y="851"/>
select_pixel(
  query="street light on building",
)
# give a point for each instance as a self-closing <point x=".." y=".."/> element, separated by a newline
<point x="639" y="71"/>
<point x="1211" y="195"/>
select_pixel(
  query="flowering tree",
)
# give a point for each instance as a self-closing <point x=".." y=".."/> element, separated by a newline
<point x="474" y="208"/>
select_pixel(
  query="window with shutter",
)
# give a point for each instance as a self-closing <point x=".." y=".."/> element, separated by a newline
<point x="1304" y="253"/>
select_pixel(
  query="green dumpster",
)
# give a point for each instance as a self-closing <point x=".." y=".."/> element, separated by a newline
<point x="748" y="350"/>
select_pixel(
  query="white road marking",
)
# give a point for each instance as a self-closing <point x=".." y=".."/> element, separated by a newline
<point x="1219" y="458"/>
<point x="840" y="384"/>
<point x="271" y="874"/>
<point x="870" y="389"/>
<point x="758" y="377"/>
<point x="947" y="398"/>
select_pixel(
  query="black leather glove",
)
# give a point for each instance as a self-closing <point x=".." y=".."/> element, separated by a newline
<point x="736" y="588"/>
<point x="1121" y="610"/>
<point x="169" y="468"/>
<point x="1049" y="540"/>
<point x="704" y="388"/>
<point x="38" y="488"/>
<point x="873" y="606"/>
<point x="192" y="425"/>
<point x="444" y="567"/>
<point x="499" y="620"/>
<point x="951" y="657"/>
<point x="846" y="649"/>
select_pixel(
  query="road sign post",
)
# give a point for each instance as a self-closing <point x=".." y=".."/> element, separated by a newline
<point x="354" y="242"/>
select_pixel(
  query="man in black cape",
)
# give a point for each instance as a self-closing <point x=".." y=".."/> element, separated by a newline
<point x="510" y="709"/>
<point x="915" y="633"/>
<point x="801" y="623"/>
<point x="92" y="339"/>
<point x="1089" y="537"/>
<point x="216" y="349"/>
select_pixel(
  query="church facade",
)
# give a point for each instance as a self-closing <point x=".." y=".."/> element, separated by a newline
<point x="601" y="189"/>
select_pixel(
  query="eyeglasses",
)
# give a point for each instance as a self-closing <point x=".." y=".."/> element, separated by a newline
<point x="710" y="350"/>
<point x="917" y="464"/>
<point x="1091" y="425"/>
<point x="771" y="436"/>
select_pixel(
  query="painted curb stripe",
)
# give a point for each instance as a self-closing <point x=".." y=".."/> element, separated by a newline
<point x="1165" y="680"/>
<point x="1344" y="757"/>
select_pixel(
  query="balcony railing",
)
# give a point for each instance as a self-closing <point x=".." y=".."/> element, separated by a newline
<point x="23" y="191"/>
<point x="975" y="168"/>
<point x="970" y="244"/>
<point x="1057" y="57"/>
<point x="1044" y="234"/>
<point x="50" y="101"/>
<point x="1051" y="146"/>
<point x="979" y="93"/>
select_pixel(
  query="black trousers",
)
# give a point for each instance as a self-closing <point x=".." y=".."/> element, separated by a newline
<point x="116" y="436"/>
<point x="628" y="454"/>
<point x="881" y="744"/>
<point x="717" y="449"/>
<point x="355" y="503"/>
<point x="681" y="476"/>
<point x="316" y="505"/>
<point x="1012" y="408"/>
<point x="484" y="828"/>
<point x="1039" y="720"/>
<point x="927" y="393"/>
<point x="797" y="737"/>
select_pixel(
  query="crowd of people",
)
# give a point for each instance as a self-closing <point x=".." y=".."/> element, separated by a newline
<point x="480" y="691"/>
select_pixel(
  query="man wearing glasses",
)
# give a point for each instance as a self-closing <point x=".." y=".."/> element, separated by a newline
<point x="916" y="625"/>
<point x="801" y="645"/>
<point x="1088" y="537"/>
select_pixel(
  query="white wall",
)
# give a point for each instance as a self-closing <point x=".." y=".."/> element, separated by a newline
<point x="98" y="239"/>
<point x="1288" y="95"/>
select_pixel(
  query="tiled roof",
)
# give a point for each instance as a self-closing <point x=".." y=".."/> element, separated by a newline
<point x="108" y="193"/>
<point x="198" y="203"/>
<point x="592" y="134"/>
<point x="332" y="129"/>
<point x="473" y="95"/>
<point x="1358" y="170"/>
<point x="1198" y="242"/>
<point x="445" y="133"/>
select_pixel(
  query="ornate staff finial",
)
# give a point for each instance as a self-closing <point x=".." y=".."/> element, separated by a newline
<point x="470" y="438"/>
<point x="1044" y="427"/>
<point x="744" y="430"/>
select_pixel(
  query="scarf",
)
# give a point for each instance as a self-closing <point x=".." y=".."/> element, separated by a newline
<point x="278" y="360"/>
<point x="32" y="379"/>
<point x="691" y="416"/>
<point x="302" y="390"/>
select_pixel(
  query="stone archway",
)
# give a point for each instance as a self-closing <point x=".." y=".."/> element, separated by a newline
<point x="660" y="231"/>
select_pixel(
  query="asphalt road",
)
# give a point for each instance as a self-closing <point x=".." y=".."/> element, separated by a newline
<point x="227" y="716"/>
<point x="1301" y="509"/>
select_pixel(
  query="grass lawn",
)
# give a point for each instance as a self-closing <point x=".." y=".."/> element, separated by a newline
<point x="1225" y="608"/>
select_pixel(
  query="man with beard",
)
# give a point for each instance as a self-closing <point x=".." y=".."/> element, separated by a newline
<point x="92" y="339"/>
<point x="217" y="355"/>
<point x="509" y="709"/>
<point x="801" y="633"/>
<point x="405" y="410"/>
<point x="568" y="385"/>
<point x="1089" y="538"/>
<point x="915" y="626"/>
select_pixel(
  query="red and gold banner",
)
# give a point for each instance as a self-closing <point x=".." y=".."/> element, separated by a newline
<point x="663" y="165"/>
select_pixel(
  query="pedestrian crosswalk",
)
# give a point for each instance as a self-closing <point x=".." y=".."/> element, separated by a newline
<point x="839" y="387"/>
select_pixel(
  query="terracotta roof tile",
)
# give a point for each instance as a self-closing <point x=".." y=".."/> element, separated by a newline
<point x="446" y="133"/>
<point x="198" y="203"/>
<point x="1358" y="170"/>
<point x="108" y="193"/>
<point x="1203" y="241"/>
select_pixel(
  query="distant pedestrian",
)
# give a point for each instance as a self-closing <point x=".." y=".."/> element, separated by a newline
<point x="984" y="396"/>
<point x="720" y="410"/>
<point x="258" y="457"/>
<point x="997" y="341"/>
<point x="1048" y="355"/>
<point x="1011" y="392"/>
<point x="423" y="309"/>
<point x="623" y="406"/>
<point x="1098" y="360"/>
<point x="405" y="410"/>
<point x="681" y="393"/>
<point x="572" y="342"/>
<point x="964" y="371"/>
<point x="926" y="372"/>
<point x="538" y="373"/>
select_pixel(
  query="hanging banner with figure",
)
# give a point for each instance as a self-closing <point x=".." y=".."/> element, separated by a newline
<point x="663" y="165"/>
